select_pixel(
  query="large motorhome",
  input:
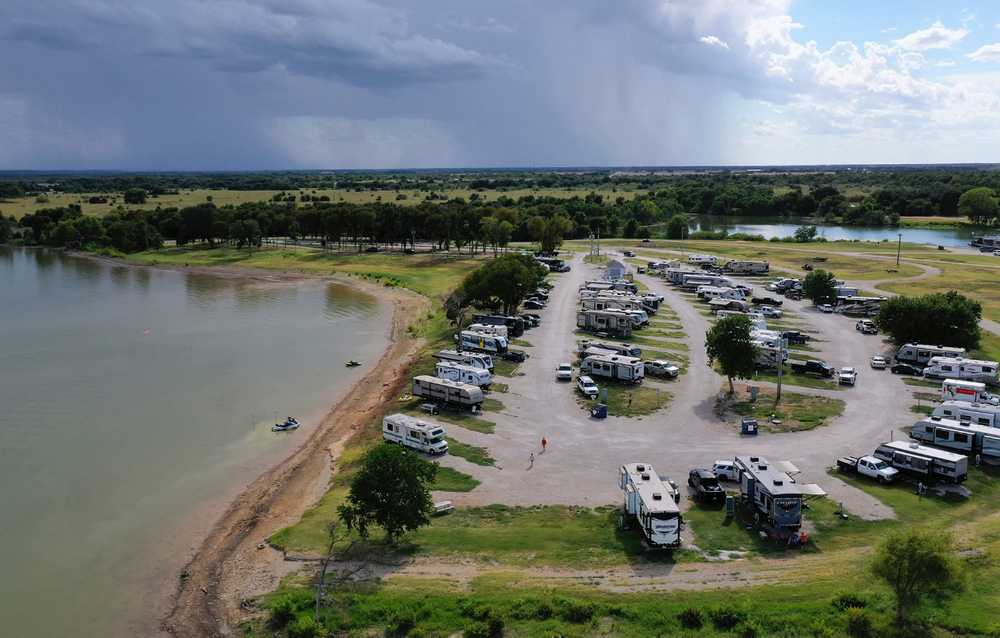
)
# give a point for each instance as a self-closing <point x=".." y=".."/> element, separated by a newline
<point x="747" y="267"/>
<point x="414" y="433"/>
<point x="515" y="325"/>
<point x="773" y="496"/>
<point x="959" y="368"/>
<point x="845" y="292"/>
<point x="476" y="341"/>
<point x="970" y="391"/>
<point x="612" y="322"/>
<point x="920" y="353"/>
<point x="449" y="392"/>
<point x="926" y="462"/>
<point x="982" y="414"/>
<point x="652" y="503"/>
<point x="465" y="374"/>
<point x="614" y="366"/>
<point x="473" y="359"/>
<point x="625" y="349"/>
<point x="954" y="435"/>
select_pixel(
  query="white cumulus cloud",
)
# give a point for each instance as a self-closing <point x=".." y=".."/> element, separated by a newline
<point x="714" y="41"/>
<point x="936" y="36"/>
<point x="986" y="53"/>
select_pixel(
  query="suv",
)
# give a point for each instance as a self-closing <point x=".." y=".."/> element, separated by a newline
<point x="725" y="470"/>
<point x="564" y="372"/>
<point x="825" y="307"/>
<point x="662" y="368"/>
<point x="847" y="376"/>
<point x="706" y="485"/>
<point x="879" y="362"/>
<point x="770" y="312"/>
<point x="866" y="326"/>
<point x="629" y="253"/>
<point x="587" y="387"/>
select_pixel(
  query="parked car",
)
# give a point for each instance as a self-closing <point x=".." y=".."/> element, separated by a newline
<point x="517" y="356"/>
<point x="629" y="253"/>
<point x="866" y="326"/>
<point x="662" y="368"/>
<point x="996" y="253"/>
<point x="372" y="249"/>
<point x="587" y="387"/>
<point x="640" y="270"/>
<point x="706" y="485"/>
<point x="879" y="362"/>
<point x="825" y="307"/>
<point x="869" y="466"/>
<point x="531" y="304"/>
<point x="847" y="376"/>
<point x="564" y="372"/>
<point x="725" y="470"/>
<point x="906" y="368"/>
<point x="770" y="312"/>
<point x="530" y="320"/>
<point x="766" y="301"/>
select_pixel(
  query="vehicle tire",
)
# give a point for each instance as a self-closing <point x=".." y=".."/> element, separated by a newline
<point x="690" y="482"/>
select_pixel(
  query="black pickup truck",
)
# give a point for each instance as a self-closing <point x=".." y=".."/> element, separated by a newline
<point x="766" y="301"/>
<point x="819" y="368"/>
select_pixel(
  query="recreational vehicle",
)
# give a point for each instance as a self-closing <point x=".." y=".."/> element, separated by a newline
<point x="737" y="305"/>
<point x="614" y="366"/>
<point x="969" y="391"/>
<point x="652" y="503"/>
<point x="601" y="302"/>
<point x="625" y="349"/>
<point x="627" y="286"/>
<point x="414" y="433"/>
<point x="986" y="242"/>
<point x="449" y="392"/>
<point x="465" y="374"/>
<point x="472" y="359"/>
<point x="676" y="275"/>
<point x="973" y="440"/>
<point x="757" y="320"/>
<point x="984" y="414"/>
<point x="719" y="292"/>
<point x="596" y="352"/>
<point x="845" y="292"/>
<point x="612" y="322"/>
<point x="924" y="461"/>
<point x="515" y="325"/>
<point x="772" y="495"/>
<point x="488" y="329"/>
<point x="959" y="368"/>
<point x="747" y="267"/>
<point x="859" y="306"/>
<point x="921" y="354"/>
<point x="691" y="282"/>
<point x="469" y="340"/>
<point x="702" y="259"/>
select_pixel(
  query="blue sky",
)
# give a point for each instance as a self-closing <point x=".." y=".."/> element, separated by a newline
<point x="272" y="84"/>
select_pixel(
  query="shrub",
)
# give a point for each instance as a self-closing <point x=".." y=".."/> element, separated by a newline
<point x="304" y="627"/>
<point x="492" y="628"/>
<point x="691" y="618"/>
<point x="859" y="623"/>
<point x="726" y="617"/>
<point x="282" y="611"/>
<point x="749" y="628"/>
<point x="847" y="601"/>
<point x="400" y="626"/>
<point x="528" y="609"/>
<point x="575" y="611"/>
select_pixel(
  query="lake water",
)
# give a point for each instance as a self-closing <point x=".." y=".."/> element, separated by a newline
<point x="132" y="398"/>
<point x="779" y="227"/>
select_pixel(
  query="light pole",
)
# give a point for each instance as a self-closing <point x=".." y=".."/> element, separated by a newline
<point x="781" y="364"/>
<point x="899" y="248"/>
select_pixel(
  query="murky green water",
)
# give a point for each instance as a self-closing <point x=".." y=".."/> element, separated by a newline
<point x="129" y="400"/>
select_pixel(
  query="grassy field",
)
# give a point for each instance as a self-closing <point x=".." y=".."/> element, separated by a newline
<point x="632" y="401"/>
<point x="471" y="453"/>
<point x="449" y="480"/>
<point x="795" y="411"/>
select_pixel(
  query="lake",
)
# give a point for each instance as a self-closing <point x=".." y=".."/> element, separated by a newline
<point x="780" y="227"/>
<point x="135" y="402"/>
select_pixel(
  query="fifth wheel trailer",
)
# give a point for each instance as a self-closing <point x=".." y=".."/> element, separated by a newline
<point x="612" y="322"/>
<point x="772" y="495"/>
<point x="614" y="367"/>
<point x="448" y="392"/>
<point x="983" y="414"/>
<point x="652" y="503"/>
<point x="923" y="461"/>
<point x="961" y="437"/>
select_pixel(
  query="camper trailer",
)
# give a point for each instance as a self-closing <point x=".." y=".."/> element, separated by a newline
<point x="959" y="368"/>
<point x="859" y="306"/>
<point x="772" y="495"/>
<point x="719" y="304"/>
<point x="986" y="242"/>
<point x="488" y="329"/>
<point x="757" y="320"/>
<point x="747" y="267"/>
<point x="921" y="354"/>
<point x="414" y="433"/>
<point x="515" y="325"/>
<point x="676" y="275"/>
<point x="601" y="302"/>
<point x="472" y="359"/>
<point x="652" y="503"/>
<point x="970" y="391"/>
<point x="448" y="392"/>
<point x="612" y="322"/>
<point x="614" y="366"/>
<point x="719" y="292"/>
<point x="621" y="284"/>
<point x="625" y="349"/>
<point x="476" y="341"/>
<point x="982" y="414"/>
<point x="922" y="461"/>
<point x="702" y="259"/>
<point x="464" y="374"/>
<point x="691" y="282"/>
<point x="973" y="440"/>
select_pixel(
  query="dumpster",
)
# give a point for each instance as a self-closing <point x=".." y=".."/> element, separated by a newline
<point x="599" y="411"/>
<point x="748" y="426"/>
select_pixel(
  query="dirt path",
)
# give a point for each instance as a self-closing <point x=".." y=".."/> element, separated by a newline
<point x="229" y="566"/>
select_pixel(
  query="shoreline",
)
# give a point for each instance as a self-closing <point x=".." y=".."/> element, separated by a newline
<point x="228" y="564"/>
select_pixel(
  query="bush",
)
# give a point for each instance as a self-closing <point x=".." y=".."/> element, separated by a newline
<point x="304" y="627"/>
<point x="576" y="611"/>
<point x="691" y="618"/>
<point x="847" y="601"/>
<point x="400" y="626"/>
<point x="726" y="617"/>
<point x="282" y="611"/>
<point x="749" y="628"/>
<point x="528" y="609"/>
<point x="492" y="628"/>
<point x="859" y="623"/>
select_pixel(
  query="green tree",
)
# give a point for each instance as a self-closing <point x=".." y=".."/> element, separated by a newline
<point x="949" y="318"/>
<point x="677" y="227"/>
<point x="549" y="231"/>
<point x="916" y="564"/>
<point x="979" y="205"/>
<point x="392" y="490"/>
<point x="820" y="286"/>
<point x="728" y="342"/>
<point x="6" y="229"/>
<point x="502" y="283"/>
<point x="805" y="234"/>
<point x="135" y="196"/>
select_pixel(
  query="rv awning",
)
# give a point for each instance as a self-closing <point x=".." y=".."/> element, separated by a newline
<point x="788" y="467"/>
<point x="811" y="489"/>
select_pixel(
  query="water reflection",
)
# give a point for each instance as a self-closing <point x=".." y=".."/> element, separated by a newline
<point x="204" y="291"/>
<point x="342" y="301"/>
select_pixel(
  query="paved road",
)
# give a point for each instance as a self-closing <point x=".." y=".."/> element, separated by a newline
<point x="580" y="465"/>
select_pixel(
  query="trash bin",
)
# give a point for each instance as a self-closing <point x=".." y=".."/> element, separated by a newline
<point x="730" y="506"/>
<point x="748" y="426"/>
<point x="599" y="411"/>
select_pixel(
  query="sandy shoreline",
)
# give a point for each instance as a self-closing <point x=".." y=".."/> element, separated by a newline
<point x="229" y="565"/>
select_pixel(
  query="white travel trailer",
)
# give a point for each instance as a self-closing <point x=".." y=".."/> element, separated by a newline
<point x="652" y="503"/>
<point x="625" y="349"/>
<point x="959" y="368"/>
<point x="596" y="352"/>
<point x="691" y="282"/>
<point x="414" y="433"/>
<point x="465" y="374"/>
<point x="676" y="275"/>
<point x="970" y="391"/>
<point x="719" y="292"/>
<point x="601" y="302"/>
<point x="963" y="437"/>
<point x="757" y="320"/>
<point x="473" y="359"/>
<point x="921" y="353"/>
<point x="477" y="341"/>
<point x="702" y="259"/>
<point x="617" y="367"/>
<point x="488" y="329"/>
<point x="747" y="267"/>
<point x="449" y="392"/>
<point x="613" y="322"/>
<point x="736" y="305"/>
<point x="982" y="414"/>
<point x="924" y="461"/>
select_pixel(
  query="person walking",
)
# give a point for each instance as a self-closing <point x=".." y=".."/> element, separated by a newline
<point x="545" y="443"/>
<point x="531" y="461"/>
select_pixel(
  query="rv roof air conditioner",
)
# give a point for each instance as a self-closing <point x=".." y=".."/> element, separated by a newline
<point x="641" y="468"/>
<point x="645" y="477"/>
<point x="657" y="496"/>
<point x="754" y="459"/>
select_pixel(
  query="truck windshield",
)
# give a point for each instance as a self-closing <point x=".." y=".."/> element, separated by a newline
<point x="710" y="482"/>
<point x="881" y="465"/>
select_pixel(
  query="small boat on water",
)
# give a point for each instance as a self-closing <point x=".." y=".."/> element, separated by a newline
<point x="352" y="363"/>
<point x="291" y="423"/>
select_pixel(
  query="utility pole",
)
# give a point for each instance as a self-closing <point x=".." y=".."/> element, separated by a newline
<point x="899" y="248"/>
<point x="781" y="364"/>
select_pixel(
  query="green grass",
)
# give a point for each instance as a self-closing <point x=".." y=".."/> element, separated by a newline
<point x="499" y="387"/>
<point x="925" y="410"/>
<point x="796" y="411"/>
<point x="451" y="480"/>
<point x="471" y="453"/>
<point x="524" y="343"/>
<point x="631" y="400"/>
<point x="503" y="367"/>
<point x="794" y="379"/>
<point x="917" y="382"/>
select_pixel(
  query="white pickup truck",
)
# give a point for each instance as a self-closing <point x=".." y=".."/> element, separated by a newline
<point x="868" y="466"/>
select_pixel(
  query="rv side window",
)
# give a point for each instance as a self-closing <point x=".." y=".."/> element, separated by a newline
<point x="961" y="438"/>
<point x="928" y="428"/>
<point x="390" y="427"/>
<point x="965" y="418"/>
<point x="946" y="368"/>
<point x="941" y="434"/>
